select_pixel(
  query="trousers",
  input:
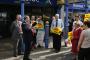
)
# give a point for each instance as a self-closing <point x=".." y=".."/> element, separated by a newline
<point x="84" y="54"/>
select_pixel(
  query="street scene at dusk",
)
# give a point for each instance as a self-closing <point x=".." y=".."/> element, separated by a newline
<point x="44" y="29"/>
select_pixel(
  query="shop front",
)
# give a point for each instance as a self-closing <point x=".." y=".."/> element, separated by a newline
<point x="10" y="8"/>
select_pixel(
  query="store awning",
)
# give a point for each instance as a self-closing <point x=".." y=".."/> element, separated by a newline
<point x="69" y="1"/>
<point x="31" y="2"/>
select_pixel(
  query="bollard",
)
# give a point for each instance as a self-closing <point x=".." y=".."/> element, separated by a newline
<point x="46" y="34"/>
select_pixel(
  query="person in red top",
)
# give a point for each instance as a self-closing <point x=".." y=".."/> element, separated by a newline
<point x="75" y="38"/>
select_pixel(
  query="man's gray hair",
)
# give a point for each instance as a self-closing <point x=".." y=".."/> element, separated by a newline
<point x="19" y="15"/>
<point x="57" y="15"/>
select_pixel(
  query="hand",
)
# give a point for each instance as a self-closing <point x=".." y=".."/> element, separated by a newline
<point x="78" y="49"/>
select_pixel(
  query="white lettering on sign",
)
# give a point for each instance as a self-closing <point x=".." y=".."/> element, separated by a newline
<point x="32" y="0"/>
<point x="78" y="5"/>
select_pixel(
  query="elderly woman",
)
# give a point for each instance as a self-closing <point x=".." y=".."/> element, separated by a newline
<point x="76" y="35"/>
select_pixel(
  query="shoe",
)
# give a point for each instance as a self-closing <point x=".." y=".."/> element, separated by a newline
<point x="56" y="51"/>
<point x="27" y="59"/>
<point x="15" y="55"/>
<point x="52" y="50"/>
<point x="22" y="53"/>
<point x="39" y="46"/>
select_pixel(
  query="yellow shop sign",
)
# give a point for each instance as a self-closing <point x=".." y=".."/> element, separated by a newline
<point x="87" y="15"/>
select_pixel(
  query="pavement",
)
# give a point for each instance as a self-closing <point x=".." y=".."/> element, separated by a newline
<point x="6" y="52"/>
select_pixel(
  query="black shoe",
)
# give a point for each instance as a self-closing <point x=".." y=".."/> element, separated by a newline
<point x="22" y="53"/>
<point x="52" y="50"/>
<point x="39" y="46"/>
<point x="15" y="55"/>
<point x="29" y="59"/>
<point x="57" y="51"/>
<point x="26" y="59"/>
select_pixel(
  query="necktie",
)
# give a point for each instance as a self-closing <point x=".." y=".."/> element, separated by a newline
<point x="56" y="23"/>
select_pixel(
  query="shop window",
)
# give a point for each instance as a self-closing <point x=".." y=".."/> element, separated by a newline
<point x="3" y="16"/>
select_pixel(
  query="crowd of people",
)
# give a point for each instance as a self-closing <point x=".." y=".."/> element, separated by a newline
<point x="30" y="34"/>
<point x="80" y="39"/>
<point x="27" y="35"/>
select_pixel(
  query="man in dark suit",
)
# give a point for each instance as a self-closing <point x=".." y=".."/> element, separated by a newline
<point x="27" y="37"/>
<point x="57" y="38"/>
<point x="16" y="31"/>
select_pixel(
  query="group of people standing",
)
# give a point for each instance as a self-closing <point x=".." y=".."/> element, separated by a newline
<point x="80" y="39"/>
<point x="25" y="31"/>
<point x="25" y="36"/>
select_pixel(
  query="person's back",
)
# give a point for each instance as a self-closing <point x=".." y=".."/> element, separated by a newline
<point x="16" y="37"/>
<point x="14" y="30"/>
<point x="86" y="41"/>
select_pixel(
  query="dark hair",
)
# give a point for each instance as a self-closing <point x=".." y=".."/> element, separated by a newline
<point x="25" y="18"/>
<point x="34" y="24"/>
<point x="87" y="23"/>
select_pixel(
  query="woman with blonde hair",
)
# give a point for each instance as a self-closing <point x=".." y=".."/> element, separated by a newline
<point x="75" y="38"/>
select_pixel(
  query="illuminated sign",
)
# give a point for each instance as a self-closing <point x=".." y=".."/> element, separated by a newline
<point x="87" y="17"/>
<point x="75" y="1"/>
<point x="33" y="0"/>
<point x="79" y="5"/>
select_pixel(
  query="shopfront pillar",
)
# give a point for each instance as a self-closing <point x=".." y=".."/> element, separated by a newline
<point x="66" y="24"/>
<point x="86" y="6"/>
<point x="46" y="34"/>
<point x="22" y="9"/>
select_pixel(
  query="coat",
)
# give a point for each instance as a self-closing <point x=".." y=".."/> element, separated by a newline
<point x="15" y="30"/>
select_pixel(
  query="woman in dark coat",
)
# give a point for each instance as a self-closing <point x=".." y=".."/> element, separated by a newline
<point x="27" y="37"/>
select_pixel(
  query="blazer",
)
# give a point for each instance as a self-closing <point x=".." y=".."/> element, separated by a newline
<point x="59" y="24"/>
<point x="27" y="32"/>
<point x="15" y="30"/>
